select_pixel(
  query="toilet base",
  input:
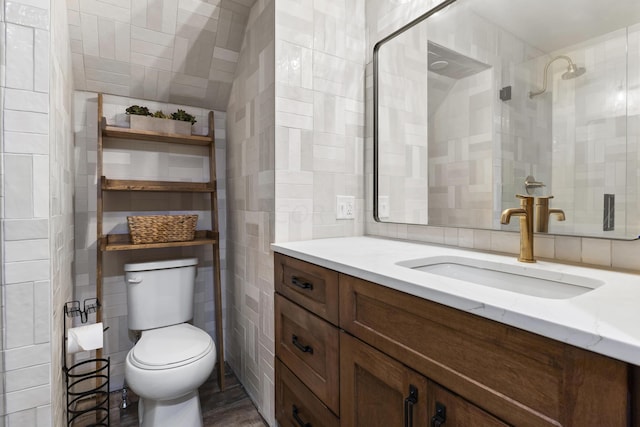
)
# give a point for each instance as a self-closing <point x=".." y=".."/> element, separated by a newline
<point x="183" y="411"/>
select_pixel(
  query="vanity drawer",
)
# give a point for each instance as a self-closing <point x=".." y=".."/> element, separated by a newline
<point x="309" y="347"/>
<point x="296" y="405"/>
<point x="311" y="286"/>
<point x="522" y="378"/>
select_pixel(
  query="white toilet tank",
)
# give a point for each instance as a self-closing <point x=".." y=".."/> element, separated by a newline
<point x="160" y="293"/>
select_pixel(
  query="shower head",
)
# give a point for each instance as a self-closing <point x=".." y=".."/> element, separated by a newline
<point x="572" y="72"/>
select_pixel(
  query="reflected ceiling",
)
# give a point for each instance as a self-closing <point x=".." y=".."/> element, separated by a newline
<point x="180" y="51"/>
<point x="564" y="23"/>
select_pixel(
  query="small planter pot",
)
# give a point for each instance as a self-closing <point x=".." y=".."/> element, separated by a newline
<point x="159" y="125"/>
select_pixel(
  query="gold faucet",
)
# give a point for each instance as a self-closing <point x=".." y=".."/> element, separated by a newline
<point x="543" y="212"/>
<point x="525" y="212"/>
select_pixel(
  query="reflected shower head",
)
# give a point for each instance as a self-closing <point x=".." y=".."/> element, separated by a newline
<point x="572" y="72"/>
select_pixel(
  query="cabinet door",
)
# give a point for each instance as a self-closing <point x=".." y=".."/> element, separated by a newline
<point x="376" y="390"/>
<point x="448" y="409"/>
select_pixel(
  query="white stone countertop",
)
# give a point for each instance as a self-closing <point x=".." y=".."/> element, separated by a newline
<point x="605" y="320"/>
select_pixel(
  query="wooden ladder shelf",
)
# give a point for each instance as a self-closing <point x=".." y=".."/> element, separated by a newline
<point x="122" y="242"/>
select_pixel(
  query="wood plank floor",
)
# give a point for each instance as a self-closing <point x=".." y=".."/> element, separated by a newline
<point x="229" y="408"/>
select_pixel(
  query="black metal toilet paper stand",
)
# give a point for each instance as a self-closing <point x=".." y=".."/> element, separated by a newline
<point x="87" y="381"/>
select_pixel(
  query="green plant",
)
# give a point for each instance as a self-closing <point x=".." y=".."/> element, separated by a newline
<point x="183" y="116"/>
<point x="160" y="115"/>
<point x="138" y="110"/>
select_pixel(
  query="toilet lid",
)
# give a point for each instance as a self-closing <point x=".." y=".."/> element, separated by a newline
<point x="170" y="347"/>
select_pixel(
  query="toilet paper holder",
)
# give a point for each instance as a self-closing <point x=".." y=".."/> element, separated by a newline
<point x="72" y="308"/>
<point x="88" y="380"/>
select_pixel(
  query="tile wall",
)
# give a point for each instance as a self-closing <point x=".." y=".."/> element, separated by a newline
<point x="320" y="69"/>
<point x="595" y="134"/>
<point x="36" y="208"/>
<point x="180" y="51"/>
<point x="250" y="178"/>
<point x="153" y="161"/>
<point x="315" y="98"/>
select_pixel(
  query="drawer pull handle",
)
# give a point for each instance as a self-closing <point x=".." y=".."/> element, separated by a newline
<point x="409" y="401"/>
<point x="298" y="419"/>
<point x="440" y="417"/>
<point x="302" y="348"/>
<point x="302" y="284"/>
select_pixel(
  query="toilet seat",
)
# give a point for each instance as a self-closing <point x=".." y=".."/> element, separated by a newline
<point x="170" y="347"/>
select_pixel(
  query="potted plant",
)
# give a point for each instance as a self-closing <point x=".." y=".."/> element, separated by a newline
<point x="142" y="119"/>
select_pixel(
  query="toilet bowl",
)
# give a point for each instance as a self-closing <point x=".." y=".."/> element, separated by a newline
<point x="165" y="369"/>
<point x="172" y="358"/>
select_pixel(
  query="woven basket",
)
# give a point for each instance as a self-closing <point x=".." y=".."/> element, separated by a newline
<point x="162" y="228"/>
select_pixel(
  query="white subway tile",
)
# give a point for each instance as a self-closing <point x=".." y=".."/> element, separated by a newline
<point x="225" y="54"/>
<point x="19" y="57"/>
<point x="18" y="190"/>
<point x="22" y="418"/>
<point x="596" y="251"/>
<point x="26" y="143"/>
<point x="123" y="42"/>
<point x="26" y="100"/>
<point x="151" y="36"/>
<point x="151" y="61"/>
<point x="154" y="49"/>
<point x="24" y="121"/>
<point x="139" y="13"/>
<point x="180" y="54"/>
<point x="73" y="17"/>
<point x="41" y="186"/>
<point x="26" y="356"/>
<point x="41" y="52"/>
<point x="107" y="38"/>
<point x="42" y="311"/>
<point x="626" y="254"/>
<point x="568" y="248"/>
<point x="26" y="250"/>
<point x="29" y="398"/>
<point x="199" y="7"/>
<point x="24" y="229"/>
<point x="33" y="376"/>
<point x="169" y="16"/>
<point x="19" y="302"/>
<point x="294" y="121"/>
<point x="106" y="10"/>
<point x="26" y="15"/>
<point x="18" y="272"/>
<point x="90" y="39"/>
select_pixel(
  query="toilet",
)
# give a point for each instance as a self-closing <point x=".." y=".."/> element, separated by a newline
<point x="172" y="358"/>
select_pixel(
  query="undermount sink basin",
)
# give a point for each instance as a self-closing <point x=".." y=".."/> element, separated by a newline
<point x="513" y="278"/>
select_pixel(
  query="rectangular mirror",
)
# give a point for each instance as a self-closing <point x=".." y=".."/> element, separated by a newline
<point x="479" y="100"/>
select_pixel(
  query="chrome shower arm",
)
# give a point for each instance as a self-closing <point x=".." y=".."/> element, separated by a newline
<point x="546" y="69"/>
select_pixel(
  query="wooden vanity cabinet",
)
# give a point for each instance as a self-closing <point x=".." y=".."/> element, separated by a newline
<point x="400" y="358"/>
<point x="377" y="390"/>
<point x="307" y="344"/>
